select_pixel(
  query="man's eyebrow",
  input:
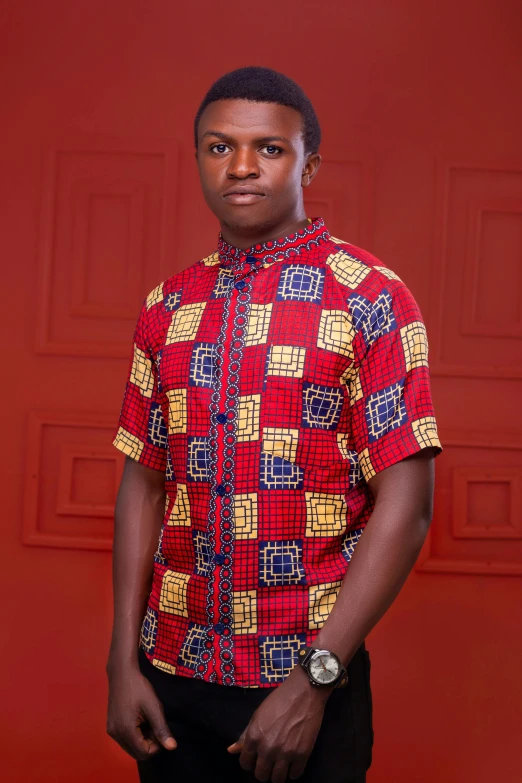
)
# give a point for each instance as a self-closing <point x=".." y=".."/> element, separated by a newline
<point x="264" y="139"/>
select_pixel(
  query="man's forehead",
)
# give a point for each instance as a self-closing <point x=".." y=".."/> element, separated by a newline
<point x="254" y="118"/>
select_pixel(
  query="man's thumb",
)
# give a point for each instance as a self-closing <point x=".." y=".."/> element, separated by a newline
<point x="160" y="728"/>
<point x="238" y="744"/>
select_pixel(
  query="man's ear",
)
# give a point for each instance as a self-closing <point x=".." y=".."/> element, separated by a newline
<point x="310" y="169"/>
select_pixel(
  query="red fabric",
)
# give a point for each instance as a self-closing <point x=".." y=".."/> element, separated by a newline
<point x="319" y="363"/>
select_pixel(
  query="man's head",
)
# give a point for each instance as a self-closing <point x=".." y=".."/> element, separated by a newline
<point x="257" y="138"/>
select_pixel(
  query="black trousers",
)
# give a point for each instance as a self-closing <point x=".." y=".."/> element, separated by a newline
<point x="206" y="717"/>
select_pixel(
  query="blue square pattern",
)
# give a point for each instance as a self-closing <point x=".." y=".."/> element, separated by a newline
<point x="355" y="474"/>
<point x="301" y="283"/>
<point x="372" y="320"/>
<point x="278" y="473"/>
<point x="359" y="308"/>
<point x="157" y="431"/>
<point x="172" y="300"/>
<point x="223" y="285"/>
<point x="149" y="630"/>
<point x="278" y="655"/>
<point x="322" y="406"/>
<point x="350" y="542"/>
<point x="202" y="364"/>
<point x="198" y="459"/>
<point x="385" y="411"/>
<point x="281" y="563"/>
<point x="192" y="645"/>
<point x="202" y="552"/>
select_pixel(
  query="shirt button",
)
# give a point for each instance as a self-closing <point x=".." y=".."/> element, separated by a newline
<point x="240" y="284"/>
<point x="219" y="559"/>
<point x="221" y="417"/>
<point x="219" y="628"/>
<point x="220" y="489"/>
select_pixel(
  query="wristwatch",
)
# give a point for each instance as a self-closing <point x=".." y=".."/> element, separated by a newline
<point x="323" y="667"/>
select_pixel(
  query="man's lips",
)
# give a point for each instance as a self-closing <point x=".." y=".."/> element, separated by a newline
<point x="243" y="196"/>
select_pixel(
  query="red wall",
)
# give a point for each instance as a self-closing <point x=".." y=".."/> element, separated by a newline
<point x="421" y="113"/>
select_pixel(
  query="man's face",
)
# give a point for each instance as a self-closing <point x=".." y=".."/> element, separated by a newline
<point x="252" y="164"/>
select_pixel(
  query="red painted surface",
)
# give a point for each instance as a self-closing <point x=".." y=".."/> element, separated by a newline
<point x="422" y="123"/>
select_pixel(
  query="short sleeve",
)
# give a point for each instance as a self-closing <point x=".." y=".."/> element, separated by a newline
<point x="142" y="434"/>
<point x="390" y="393"/>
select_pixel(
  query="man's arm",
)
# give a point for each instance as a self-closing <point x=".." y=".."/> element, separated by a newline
<point x="385" y="553"/>
<point x="138" y="517"/>
<point x="284" y="728"/>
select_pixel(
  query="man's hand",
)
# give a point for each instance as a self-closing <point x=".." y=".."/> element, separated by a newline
<point x="282" y="731"/>
<point x="132" y="703"/>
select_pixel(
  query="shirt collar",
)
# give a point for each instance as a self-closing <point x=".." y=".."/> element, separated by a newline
<point x="286" y="248"/>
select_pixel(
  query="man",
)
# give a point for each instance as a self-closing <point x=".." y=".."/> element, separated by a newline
<point x="277" y="406"/>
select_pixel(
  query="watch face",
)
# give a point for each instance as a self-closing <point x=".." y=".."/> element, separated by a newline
<point x="323" y="667"/>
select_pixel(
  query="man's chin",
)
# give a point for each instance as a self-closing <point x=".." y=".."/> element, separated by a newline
<point x="247" y="225"/>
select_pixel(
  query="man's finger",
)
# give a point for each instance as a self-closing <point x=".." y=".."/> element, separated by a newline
<point x="297" y="767"/>
<point x="136" y="745"/>
<point x="279" y="772"/>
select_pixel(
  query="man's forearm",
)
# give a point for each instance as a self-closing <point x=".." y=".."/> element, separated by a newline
<point x="383" y="557"/>
<point x="137" y="524"/>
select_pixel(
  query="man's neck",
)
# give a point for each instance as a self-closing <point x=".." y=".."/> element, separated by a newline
<point x="243" y="240"/>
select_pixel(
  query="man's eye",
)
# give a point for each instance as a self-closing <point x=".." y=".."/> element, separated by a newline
<point x="219" y="148"/>
<point x="273" y="151"/>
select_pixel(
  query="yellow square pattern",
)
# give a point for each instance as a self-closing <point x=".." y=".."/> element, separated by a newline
<point x="321" y="599"/>
<point x="336" y="332"/>
<point x="388" y="273"/>
<point x="185" y="323"/>
<point x="245" y="611"/>
<point x="342" y="442"/>
<point x="211" y="260"/>
<point x="425" y="431"/>
<point x="165" y="667"/>
<point x="339" y="241"/>
<point x="180" y="513"/>
<point x="258" y="323"/>
<point x="248" y="408"/>
<point x="348" y="375"/>
<point x="347" y="270"/>
<point x="141" y="372"/>
<point x="155" y="296"/>
<point x="366" y="466"/>
<point x="286" y="360"/>
<point x="173" y="596"/>
<point x="177" y="410"/>
<point x="325" y="514"/>
<point x="281" y="443"/>
<point x="128" y="443"/>
<point x="245" y="515"/>
<point x="415" y="345"/>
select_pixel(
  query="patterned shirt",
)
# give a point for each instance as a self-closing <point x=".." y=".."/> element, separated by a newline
<point x="269" y="385"/>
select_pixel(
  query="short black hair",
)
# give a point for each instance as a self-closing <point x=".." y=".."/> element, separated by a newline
<point x="264" y="85"/>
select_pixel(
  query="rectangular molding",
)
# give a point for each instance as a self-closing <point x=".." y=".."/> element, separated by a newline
<point x="460" y="546"/>
<point x="71" y="480"/>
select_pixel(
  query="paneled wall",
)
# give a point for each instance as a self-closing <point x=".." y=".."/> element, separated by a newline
<point x="422" y="165"/>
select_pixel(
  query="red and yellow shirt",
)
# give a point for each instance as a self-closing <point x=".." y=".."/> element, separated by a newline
<point x="269" y="385"/>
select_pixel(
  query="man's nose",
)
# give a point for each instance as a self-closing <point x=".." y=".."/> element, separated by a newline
<point x="243" y="163"/>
